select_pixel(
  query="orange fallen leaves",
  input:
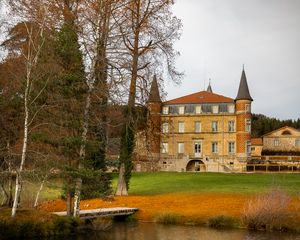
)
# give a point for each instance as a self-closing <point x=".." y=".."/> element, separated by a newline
<point x="189" y="206"/>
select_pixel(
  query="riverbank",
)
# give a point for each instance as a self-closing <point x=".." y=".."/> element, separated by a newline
<point x="184" y="208"/>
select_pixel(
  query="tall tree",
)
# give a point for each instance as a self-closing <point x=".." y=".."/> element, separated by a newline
<point x="29" y="53"/>
<point x="148" y="30"/>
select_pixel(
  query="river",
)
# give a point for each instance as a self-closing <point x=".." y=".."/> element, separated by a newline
<point x="151" y="231"/>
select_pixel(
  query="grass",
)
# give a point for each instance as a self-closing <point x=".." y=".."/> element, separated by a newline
<point x="222" y="222"/>
<point x="170" y="182"/>
<point x="167" y="218"/>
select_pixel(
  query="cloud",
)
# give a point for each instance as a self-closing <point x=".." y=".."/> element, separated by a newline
<point x="220" y="36"/>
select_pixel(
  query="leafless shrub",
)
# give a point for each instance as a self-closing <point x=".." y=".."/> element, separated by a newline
<point x="267" y="211"/>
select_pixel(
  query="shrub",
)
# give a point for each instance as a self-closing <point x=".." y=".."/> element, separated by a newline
<point x="167" y="218"/>
<point x="222" y="222"/>
<point x="267" y="211"/>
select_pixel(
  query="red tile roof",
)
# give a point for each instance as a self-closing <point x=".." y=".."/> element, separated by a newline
<point x="256" y="141"/>
<point x="201" y="97"/>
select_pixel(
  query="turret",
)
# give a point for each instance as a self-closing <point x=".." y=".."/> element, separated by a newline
<point x="243" y="117"/>
<point x="154" y="105"/>
<point x="209" y="89"/>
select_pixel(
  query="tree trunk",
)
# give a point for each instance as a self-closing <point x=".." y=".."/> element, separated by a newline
<point x="82" y="152"/>
<point x="130" y="115"/>
<point x="17" y="196"/>
<point x="24" y="149"/>
<point x="38" y="194"/>
<point x="69" y="203"/>
<point x="122" y="188"/>
<point x="5" y="196"/>
<point x="77" y="197"/>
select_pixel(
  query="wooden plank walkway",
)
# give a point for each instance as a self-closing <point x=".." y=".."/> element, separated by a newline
<point x="102" y="212"/>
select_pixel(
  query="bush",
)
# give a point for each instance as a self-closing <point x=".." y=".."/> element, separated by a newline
<point x="25" y="229"/>
<point x="222" y="222"/>
<point x="267" y="211"/>
<point x="167" y="218"/>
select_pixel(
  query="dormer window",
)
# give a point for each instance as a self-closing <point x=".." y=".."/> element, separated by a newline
<point x="215" y="108"/>
<point x="181" y="109"/>
<point x="231" y="108"/>
<point x="198" y="109"/>
<point x="286" y="132"/>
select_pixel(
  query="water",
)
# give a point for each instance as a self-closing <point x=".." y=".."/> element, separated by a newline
<point x="151" y="231"/>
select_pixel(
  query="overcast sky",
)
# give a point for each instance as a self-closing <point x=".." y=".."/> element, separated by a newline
<point x="219" y="36"/>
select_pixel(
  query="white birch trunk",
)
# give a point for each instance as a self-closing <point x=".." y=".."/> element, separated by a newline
<point x="38" y="194"/>
<point x="77" y="197"/>
<point x="24" y="149"/>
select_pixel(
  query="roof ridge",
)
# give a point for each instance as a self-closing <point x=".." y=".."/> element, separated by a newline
<point x="192" y="98"/>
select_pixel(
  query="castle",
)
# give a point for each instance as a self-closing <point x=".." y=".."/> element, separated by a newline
<point x="203" y="131"/>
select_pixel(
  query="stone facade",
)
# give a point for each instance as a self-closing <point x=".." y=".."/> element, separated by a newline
<point x="203" y="131"/>
<point x="282" y="144"/>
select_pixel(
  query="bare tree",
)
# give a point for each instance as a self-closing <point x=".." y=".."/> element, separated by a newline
<point x="148" y="30"/>
<point x="35" y="43"/>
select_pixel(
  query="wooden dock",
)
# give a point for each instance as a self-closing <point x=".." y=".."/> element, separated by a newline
<point x="102" y="212"/>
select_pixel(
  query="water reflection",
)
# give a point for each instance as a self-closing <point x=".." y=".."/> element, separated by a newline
<point x="150" y="231"/>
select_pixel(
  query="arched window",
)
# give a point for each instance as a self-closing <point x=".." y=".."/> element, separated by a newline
<point x="286" y="132"/>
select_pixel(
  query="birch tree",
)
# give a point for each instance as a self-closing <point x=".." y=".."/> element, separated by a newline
<point x="34" y="45"/>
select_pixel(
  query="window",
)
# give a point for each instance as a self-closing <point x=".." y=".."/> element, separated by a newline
<point x="214" y="147"/>
<point x="173" y="110"/>
<point x="248" y="125"/>
<point x="181" y="127"/>
<point x="198" y="109"/>
<point x="231" y="126"/>
<point x="165" y="127"/>
<point x="286" y="132"/>
<point x="231" y="147"/>
<point x="248" y="147"/>
<point x="248" y="108"/>
<point x="297" y="142"/>
<point x="189" y="109"/>
<point x="181" y="109"/>
<point x="231" y="108"/>
<point x="215" y="108"/>
<point x="164" y="147"/>
<point x="276" y="142"/>
<point x="165" y="110"/>
<point x="180" y="148"/>
<point x="197" y="127"/>
<point x="206" y="108"/>
<point x="214" y="126"/>
<point x="197" y="147"/>
<point x="223" y="108"/>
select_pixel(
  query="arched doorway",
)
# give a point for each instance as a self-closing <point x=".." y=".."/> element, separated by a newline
<point x="195" y="166"/>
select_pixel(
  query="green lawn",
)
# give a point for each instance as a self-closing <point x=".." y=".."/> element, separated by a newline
<point x="163" y="182"/>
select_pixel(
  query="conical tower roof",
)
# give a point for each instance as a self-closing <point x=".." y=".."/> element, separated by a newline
<point x="243" y="92"/>
<point x="209" y="89"/>
<point x="154" y="91"/>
